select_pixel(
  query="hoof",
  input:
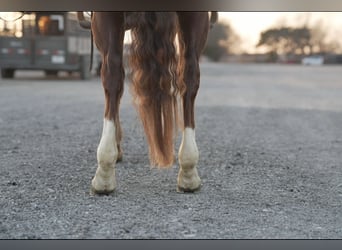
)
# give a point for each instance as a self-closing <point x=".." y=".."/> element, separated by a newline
<point x="119" y="159"/>
<point x="120" y="154"/>
<point x="99" y="185"/>
<point x="93" y="191"/>
<point x="183" y="190"/>
<point x="188" y="181"/>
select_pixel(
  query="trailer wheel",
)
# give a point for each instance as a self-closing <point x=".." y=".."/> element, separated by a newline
<point x="7" y="73"/>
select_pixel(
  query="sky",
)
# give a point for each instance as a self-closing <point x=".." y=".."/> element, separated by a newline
<point x="249" y="25"/>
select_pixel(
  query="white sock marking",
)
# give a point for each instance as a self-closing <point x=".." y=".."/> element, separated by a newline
<point x="107" y="154"/>
<point x="188" y="155"/>
<point x="188" y="152"/>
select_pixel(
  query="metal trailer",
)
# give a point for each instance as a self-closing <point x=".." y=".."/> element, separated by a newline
<point x="49" y="41"/>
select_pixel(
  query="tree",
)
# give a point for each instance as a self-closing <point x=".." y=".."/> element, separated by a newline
<point x="286" y="40"/>
<point x="222" y="40"/>
<point x="307" y="39"/>
<point x="320" y="41"/>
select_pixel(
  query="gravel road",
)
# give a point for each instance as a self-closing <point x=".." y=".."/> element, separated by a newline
<point x="270" y="147"/>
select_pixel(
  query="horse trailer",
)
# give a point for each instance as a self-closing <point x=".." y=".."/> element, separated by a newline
<point x="48" y="41"/>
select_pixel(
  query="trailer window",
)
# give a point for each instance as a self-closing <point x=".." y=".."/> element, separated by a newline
<point x="50" y="25"/>
<point x="10" y="27"/>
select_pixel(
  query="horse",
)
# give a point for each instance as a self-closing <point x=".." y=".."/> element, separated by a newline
<point x="164" y="60"/>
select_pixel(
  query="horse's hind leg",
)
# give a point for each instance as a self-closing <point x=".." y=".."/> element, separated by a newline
<point x="108" y="30"/>
<point x="194" y="29"/>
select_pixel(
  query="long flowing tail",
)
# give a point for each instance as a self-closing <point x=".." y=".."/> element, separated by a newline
<point x="157" y="80"/>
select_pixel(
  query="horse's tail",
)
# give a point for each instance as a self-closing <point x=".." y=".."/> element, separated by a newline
<point x="157" y="81"/>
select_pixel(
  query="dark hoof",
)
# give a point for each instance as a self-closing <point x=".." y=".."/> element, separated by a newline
<point x="93" y="192"/>
<point x="187" y="190"/>
<point x="119" y="159"/>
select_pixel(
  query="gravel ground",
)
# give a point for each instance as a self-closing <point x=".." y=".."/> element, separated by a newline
<point x="270" y="147"/>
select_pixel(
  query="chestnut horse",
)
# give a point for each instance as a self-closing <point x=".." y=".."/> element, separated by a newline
<point x="165" y="52"/>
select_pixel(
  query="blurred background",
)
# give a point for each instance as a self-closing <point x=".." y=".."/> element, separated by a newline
<point x="54" y="42"/>
<point x="282" y="37"/>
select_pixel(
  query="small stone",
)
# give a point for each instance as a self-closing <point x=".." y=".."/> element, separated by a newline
<point x="12" y="183"/>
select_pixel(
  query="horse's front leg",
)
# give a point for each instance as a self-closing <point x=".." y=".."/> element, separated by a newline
<point x="108" y="30"/>
<point x="194" y="30"/>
